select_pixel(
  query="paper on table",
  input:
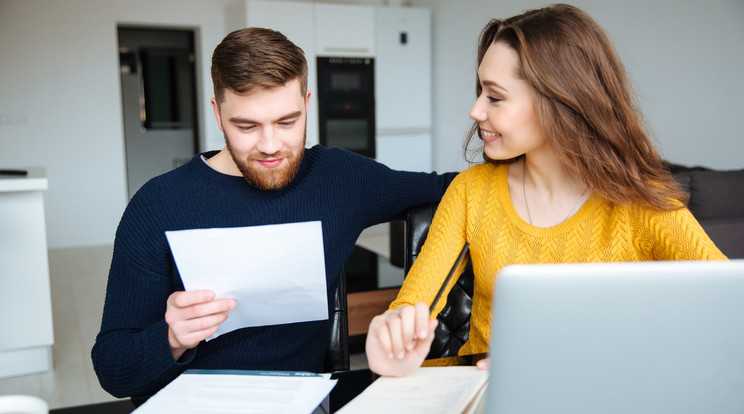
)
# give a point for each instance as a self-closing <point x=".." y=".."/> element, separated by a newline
<point x="437" y="390"/>
<point x="240" y="392"/>
<point x="276" y="273"/>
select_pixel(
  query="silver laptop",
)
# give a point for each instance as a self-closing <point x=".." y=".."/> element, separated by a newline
<point x="652" y="337"/>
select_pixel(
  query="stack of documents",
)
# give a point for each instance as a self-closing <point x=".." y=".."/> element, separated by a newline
<point x="431" y="390"/>
<point x="232" y="391"/>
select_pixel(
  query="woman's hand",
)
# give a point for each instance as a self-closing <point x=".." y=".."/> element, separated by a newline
<point x="399" y="340"/>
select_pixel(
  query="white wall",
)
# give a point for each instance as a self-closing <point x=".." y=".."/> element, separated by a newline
<point x="60" y="105"/>
<point x="60" y="102"/>
<point x="684" y="57"/>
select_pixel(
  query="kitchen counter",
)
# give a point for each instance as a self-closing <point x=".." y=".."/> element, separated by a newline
<point x="34" y="180"/>
<point x="25" y="299"/>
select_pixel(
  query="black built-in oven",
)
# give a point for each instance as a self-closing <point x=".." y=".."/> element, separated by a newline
<point x="346" y="104"/>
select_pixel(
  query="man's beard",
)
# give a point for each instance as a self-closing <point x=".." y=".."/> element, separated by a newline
<point x="269" y="178"/>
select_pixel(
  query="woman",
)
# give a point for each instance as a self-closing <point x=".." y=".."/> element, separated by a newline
<point x="570" y="176"/>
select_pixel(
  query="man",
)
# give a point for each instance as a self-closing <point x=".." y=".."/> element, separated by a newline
<point x="152" y="330"/>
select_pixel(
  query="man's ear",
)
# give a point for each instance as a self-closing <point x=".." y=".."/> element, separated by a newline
<point x="307" y="101"/>
<point x="216" y="109"/>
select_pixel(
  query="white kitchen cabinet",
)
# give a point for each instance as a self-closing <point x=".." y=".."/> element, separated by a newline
<point x="25" y="299"/>
<point x="344" y="30"/>
<point x="294" y="20"/>
<point x="403" y="88"/>
<point x="403" y="68"/>
<point x="399" y="40"/>
<point x="408" y="151"/>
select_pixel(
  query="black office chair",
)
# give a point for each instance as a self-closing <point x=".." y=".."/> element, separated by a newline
<point x="454" y="319"/>
<point x="337" y="354"/>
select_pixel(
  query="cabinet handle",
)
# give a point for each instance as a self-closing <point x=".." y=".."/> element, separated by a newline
<point x="346" y="49"/>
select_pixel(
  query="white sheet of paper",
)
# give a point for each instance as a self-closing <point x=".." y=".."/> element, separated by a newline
<point x="436" y="390"/>
<point x="276" y="273"/>
<point x="247" y="392"/>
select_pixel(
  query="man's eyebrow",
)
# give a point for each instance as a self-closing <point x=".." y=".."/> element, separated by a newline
<point x="293" y="115"/>
<point x="241" y="120"/>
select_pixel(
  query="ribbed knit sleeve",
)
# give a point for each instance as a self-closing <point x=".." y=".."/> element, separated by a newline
<point x="131" y="355"/>
<point x="447" y="235"/>
<point x="477" y="208"/>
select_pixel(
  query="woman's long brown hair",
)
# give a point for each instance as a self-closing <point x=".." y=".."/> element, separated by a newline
<point x="584" y="105"/>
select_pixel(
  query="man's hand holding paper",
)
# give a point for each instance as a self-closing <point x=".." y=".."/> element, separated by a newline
<point x="275" y="274"/>
<point x="193" y="317"/>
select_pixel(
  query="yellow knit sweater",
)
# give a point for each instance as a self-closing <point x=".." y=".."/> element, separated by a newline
<point x="477" y="208"/>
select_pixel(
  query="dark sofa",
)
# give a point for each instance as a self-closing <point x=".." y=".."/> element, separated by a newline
<point x="717" y="202"/>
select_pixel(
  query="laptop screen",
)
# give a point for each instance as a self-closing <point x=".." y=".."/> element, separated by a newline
<point x="651" y="337"/>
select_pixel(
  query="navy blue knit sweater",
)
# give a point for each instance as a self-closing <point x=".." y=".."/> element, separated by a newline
<point x="344" y="191"/>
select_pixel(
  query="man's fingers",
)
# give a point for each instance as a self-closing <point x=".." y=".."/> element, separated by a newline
<point x="198" y="310"/>
<point x="194" y="316"/>
<point x="192" y="339"/>
<point x="184" y="299"/>
<point x="190" y="332"/>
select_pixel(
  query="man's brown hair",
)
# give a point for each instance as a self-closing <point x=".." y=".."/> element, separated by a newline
<point x="256" y="58"/>
<point x="584" y="104"/>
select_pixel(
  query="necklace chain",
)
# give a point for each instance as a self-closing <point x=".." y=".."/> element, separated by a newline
<point x="524" y="194"/>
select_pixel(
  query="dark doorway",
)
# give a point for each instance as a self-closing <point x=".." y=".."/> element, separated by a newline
<point x="158" y="94"/>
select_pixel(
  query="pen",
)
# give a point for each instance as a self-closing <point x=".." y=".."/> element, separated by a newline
<point x="449" y="276"/>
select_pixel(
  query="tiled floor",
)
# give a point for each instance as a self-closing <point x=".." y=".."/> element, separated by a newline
<point x="78" y="285"/>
